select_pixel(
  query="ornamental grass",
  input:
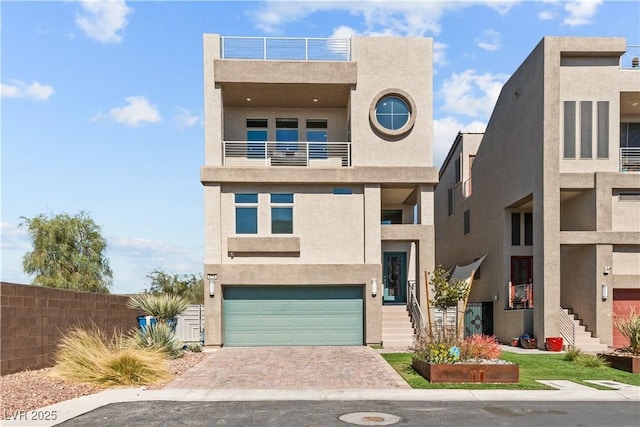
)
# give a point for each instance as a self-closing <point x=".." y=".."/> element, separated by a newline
<point x="159" y="336"/>
<point x="90" y="356"/>
<point x="161" y="306"/>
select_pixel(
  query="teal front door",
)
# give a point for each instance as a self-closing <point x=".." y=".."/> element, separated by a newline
<point x="395" y="277"/>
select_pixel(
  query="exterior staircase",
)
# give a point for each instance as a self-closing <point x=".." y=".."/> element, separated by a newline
<point x="583" y="339"/>
<point x="397" y="330"/>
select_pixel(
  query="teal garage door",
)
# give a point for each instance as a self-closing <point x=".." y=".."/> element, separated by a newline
<point x="292" y="315"/>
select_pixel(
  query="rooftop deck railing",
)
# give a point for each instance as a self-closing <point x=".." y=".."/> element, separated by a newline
<point x="286" y="48"/>
<point x="630" y="160"/>
<point x="290" y="153"/>
<point x="631" y="58"/>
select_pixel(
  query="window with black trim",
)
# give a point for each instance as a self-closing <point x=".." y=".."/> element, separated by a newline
<point x="467" y="221"/>
<point x="257" y="136"/>
<point x="450" y="202"/>
<point x="287" y="134"/>
<point x="281" y="213"/>
<point x="317" y="136"/>
<point x="246" y="213"/>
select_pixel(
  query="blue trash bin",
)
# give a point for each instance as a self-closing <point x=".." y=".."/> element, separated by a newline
<point x="145" y="321"/>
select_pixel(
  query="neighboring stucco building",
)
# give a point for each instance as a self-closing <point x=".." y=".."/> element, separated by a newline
<point x="553" y="196"/>
<point x="318" y="186"/>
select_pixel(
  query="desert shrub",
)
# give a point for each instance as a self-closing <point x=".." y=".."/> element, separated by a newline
<point x="592" y="361"/>
<point x="572" y="354"/>
<point x="194" y="347"/>
<point x="161" y="306"/>
<point x="90" y="356"/>
<point x="629" y="327"/>
<point x="479" y="346"/>
<point x="434" y="348"/>
<point x="161" y="337"/>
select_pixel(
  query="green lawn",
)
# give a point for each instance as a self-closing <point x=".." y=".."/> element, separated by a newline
<point x="532" y="367"/>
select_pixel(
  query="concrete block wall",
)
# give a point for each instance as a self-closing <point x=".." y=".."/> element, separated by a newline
<point x="33" y="319"/>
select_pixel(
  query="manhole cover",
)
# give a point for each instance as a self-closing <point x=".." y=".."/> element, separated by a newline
<point x="370" y="418"/>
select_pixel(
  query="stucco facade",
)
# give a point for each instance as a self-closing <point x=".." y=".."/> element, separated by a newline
<point x="336" y="191"/>
<point x="549" y="195"/>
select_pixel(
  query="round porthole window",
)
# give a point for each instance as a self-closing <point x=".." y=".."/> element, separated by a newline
<point x="392" y="113"/>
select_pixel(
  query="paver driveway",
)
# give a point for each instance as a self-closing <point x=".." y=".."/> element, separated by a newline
<point x="292" y="368"/>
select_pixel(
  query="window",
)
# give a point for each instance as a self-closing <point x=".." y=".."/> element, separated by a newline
<point x="603" y="130"/>
<point x="342" y="190"/>
<point x="316" y="135"/>
<point x="569" y="129"/>
<point x="515" y="229"/>
<point x="450" y="202"/>
<point x="391" y="216"/>
<point x="456" y="167"/>
<point x="392" y="112"/>
<point x="246" y="213"/>
<point x="628" y="196"/>
<point x="467" y="221"/>
<point x="528" y="229"/>
<point x="586" y="129"/>
<point x="287" y="131"/>
<point x="282" y="213"/>
<point x="257" y="135"/>
<point x="629" y="135"/>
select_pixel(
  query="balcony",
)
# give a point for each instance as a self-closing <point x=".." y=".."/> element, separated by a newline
<point x="309" y="154"/>
<point x="631" y="58"/>
<point x="630" y="160"/>
<point x="286" y="48"/>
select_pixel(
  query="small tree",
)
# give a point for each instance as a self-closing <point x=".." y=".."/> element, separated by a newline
<point x="446" y="293"/>
<point x="188" y="286"/>
<point x="68" y="252"/>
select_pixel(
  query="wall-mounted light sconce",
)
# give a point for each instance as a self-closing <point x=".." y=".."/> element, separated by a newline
<point x="495" y="297"/>
<point x="212" y="284"/>
<point x="232" y="254"/>
<point x="606" y="270"/>
<point x="374" y="287"/>
<point x="605" y="291"/>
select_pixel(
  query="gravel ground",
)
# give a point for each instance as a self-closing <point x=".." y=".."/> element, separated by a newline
<point x="28" y="390"/>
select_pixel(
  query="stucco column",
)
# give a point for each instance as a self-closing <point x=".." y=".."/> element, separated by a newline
<point x="603" y="327"/>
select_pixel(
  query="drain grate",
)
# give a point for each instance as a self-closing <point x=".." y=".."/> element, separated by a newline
<point x="370" y="418"/>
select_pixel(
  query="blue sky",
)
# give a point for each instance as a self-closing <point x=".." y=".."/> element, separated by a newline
<point x="102" y="102"/>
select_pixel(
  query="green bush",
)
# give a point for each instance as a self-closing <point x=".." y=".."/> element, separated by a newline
<point x="161" y="306"/>
<point x="572" y="354"/>
<point x="194" y="347"/>
<point x="161" y="337"/>
<point x="90" y="356"/>
<point x="592" y="361"/>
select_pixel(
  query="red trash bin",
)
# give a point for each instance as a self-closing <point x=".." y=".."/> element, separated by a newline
<point x="553" y="343"/>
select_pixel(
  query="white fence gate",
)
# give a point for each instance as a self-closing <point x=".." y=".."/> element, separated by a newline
<point x="190" y="326"/>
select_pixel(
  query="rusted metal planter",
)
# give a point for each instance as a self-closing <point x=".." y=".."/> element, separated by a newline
<point x="467" y="373"/>
<point x="624" y="362"/>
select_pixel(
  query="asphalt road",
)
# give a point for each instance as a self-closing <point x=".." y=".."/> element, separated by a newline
<point x="368" y="413"/>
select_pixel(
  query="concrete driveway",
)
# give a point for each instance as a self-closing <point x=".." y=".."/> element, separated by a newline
<point x="291" y="368"/>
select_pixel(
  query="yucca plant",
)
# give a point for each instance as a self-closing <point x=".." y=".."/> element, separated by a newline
<point x="90" y="356"/>
<point x="161" y="337"/>
<point x="629" y="327"/>
<point x="161" y="306"/>
<point x="194" y="347"/>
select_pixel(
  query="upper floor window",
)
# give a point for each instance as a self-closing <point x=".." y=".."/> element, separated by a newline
<point x="317" y="134"/>
<point x="517" y="228"/>
<point x="629" y="135"/>
<point x="450" y="202"/>
<point x="282" y="213"/>
<point x="467" y="221"/>
<point x="391" y="216"/>
<point x="457" y="170"/>
<point x="246" y="213"/>
<point x="287" y="131"/>
<point x="257" y="134"/>
<point x="392" y="112"/>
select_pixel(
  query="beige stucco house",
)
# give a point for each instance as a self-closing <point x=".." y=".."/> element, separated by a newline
<point x="318" y="187"/>
<point x="551" y="192"/>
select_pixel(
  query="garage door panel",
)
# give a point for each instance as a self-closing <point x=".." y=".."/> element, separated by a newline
<point x="292" y="316"/>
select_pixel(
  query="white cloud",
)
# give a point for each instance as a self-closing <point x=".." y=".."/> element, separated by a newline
<point x="490" y="41"/>
<point x="471" y="94"/>
<point x="546" y="15"/>
<point x="184" y="118"/>
<point x="103" y="20"/>
<point x="138" y="110"/>
<point x="403" y="18"/>
<point x="14" y="237"/>
<point x="439" y="50"/>
<point x="581" y="12"/>
<point x="18" y="89"/>
<point x="444" y="133"/>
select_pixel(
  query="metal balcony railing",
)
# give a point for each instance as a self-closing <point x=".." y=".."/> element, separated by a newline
<point x="630" y="160"/>
<point x="631" y="58"/>
<point x="290" y="153"/>
<point x="286" y="48"/>
<point x="567" y="328"/>
<point x="414" y="307"/>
